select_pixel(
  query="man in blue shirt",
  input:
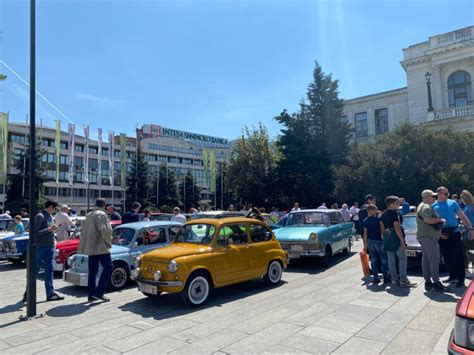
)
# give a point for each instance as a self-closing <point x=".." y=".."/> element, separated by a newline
<point x="405" y="206"/>
<point x="373" y="244"/>
<point x="450" y="242"/>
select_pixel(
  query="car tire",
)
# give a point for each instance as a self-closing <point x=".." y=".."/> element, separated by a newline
<point x="118" y="278"/>
<point x="274" y="273"/>
<point x="327" y="257"/>
<point x="197" y="290"/>
<point x="16" y="261"/>
<point x="347" y="250"/>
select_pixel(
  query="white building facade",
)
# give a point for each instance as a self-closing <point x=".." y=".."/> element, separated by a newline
<point x="446" y="61"/>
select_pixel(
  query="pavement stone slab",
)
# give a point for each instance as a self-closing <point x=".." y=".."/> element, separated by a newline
<point x="385" y="327"/>
<point x="432" y="319"/>
<point x="412" y="341"/>
<point x="358" y="345"/>
<point x="212" y="343"/>
<point x="309" y="344"/>
<point x="331" y="335"/>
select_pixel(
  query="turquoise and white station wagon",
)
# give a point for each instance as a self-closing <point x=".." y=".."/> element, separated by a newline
<point x="128" y="241"/>
<point x="315" y="233"/>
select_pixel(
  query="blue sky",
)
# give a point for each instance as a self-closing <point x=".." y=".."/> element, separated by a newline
<point x="206" y="66"/>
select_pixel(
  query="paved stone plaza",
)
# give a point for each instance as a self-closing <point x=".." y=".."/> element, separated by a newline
<point x="315" y="310"/>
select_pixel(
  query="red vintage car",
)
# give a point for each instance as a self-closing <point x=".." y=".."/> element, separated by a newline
<point x="67" y="248"/>
<point x="462" y="337"/>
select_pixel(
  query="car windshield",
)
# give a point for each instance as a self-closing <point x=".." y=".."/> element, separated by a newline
<point x="300" y="218"/>
<point x="409" y="224"/>
<point x="122" y="236"/>
<point x="195" y="233"/>
<point x="5" y="224"/>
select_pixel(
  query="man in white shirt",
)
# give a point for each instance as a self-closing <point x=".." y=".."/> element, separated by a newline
<point x="323" y="206"/>
<point x="177" y="216"/>
<point x="296" y="207"/>
<point x="63" y="220"/>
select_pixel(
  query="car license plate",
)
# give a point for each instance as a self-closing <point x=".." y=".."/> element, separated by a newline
<point x="152" y="290"/>
<point x="297" y="248"/>
<point x="293" y="255"/>
<point x="411" y="253"/>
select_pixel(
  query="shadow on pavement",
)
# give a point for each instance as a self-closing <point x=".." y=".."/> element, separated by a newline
<point x="12" y="307"/>
<point x="8" y="266"/>
<point x="169" y="306"/>
<point x="314" y="265"/>
<point x="69" y="310"/>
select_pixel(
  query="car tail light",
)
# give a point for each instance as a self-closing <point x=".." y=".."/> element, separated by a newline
<point x="464" y="332"/>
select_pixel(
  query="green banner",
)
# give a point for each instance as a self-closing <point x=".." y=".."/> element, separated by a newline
<point x="3" y="147"/>
<point x="212" y="166"/>
<point x="57" y="148"/>
<point x="205" y="163"/>
<point x="123" y="160"/>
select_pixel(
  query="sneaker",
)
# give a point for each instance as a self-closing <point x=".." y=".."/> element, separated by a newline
<point x="439" y="287"/>
<point x="55" y="297"/>
<point x="429" y="286"/>
<point x="460" y="284"/>
<point x="376" y="281"/>
<point x="449" y="280"/>
<point x="102" y="298"/>
<point x="394" y="283"/>
<point x="407" y="283"/>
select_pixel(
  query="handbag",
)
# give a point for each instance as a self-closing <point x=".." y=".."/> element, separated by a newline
<point x="390" y="241"/>
<point x="364" y="260"/>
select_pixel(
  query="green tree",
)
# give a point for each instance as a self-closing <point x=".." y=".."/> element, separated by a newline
<point x="15" y="199"/>
<point x="168" y="193"/>
<point x="407" y="161"/>
<point x="251" y="171"/>
<point x="189" y="192"/>
<point x="313" y="142"/>
<point x="138" y="180"/>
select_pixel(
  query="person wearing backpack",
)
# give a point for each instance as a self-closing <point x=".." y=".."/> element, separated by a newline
<point x="428" y="231"/>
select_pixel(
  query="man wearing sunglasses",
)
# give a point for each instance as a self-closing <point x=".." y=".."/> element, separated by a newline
<point x="450" y="242"/>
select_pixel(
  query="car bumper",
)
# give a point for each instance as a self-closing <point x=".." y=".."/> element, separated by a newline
<point x="14" y="256"/>
<point x="162" y="286"/>
<point x="58" y="266"/>
<point x="76" y="278"/>
<point x="298" y="250"/>
<point x="454" y="349"/>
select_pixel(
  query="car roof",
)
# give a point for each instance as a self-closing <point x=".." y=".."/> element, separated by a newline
<point x="317" y="210"/>
<point x="221" y="221"/>
<point x="138" y="225"/>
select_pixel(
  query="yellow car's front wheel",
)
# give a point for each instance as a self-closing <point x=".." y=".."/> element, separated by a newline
<point x="197" y="289"/>
<point x="274" y="273"/>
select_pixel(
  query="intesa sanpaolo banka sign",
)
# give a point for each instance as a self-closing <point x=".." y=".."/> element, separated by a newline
<point x="157" y="131"/>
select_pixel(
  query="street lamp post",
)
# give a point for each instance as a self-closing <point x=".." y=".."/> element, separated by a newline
<point x="31" y="255"/>
<point x="428" y="87"/>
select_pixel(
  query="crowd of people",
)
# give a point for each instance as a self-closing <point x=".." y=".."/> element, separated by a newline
<point x="438" y="220"/>
<point x="53" y="223"/>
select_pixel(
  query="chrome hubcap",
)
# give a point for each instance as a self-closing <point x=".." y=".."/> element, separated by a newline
<point x="198" y="290"/>
<point x="119" y="277"/>
<point x="275" y="272"/>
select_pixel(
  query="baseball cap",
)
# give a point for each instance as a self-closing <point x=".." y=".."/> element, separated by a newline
<point x="428" y="193"/>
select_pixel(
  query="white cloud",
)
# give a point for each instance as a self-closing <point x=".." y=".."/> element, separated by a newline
<point x="99" y="101"/>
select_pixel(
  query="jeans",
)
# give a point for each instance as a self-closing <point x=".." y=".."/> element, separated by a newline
<point x="378" y="258"/>
<point x="430" y="258"/>
<point x="402" y="264"/>
<point x="45" y="256"/>
<point x="94" y="260"/>
<point x="452" y="250"/>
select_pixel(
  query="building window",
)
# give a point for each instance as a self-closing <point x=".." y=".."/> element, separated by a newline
<point x="93" y="150"/>
<point x="361" y="127"/>
<point x="381" y="121"/>
<point x="459" y="89"/>
<point x="17" y="138"/>
<point x="78" y="148"/>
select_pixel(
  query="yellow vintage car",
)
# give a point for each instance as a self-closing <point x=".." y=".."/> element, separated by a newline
<point x="207" y="253"/>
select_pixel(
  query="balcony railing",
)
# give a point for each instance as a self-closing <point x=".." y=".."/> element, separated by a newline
<point x="451" y="37"/>
<point x="454" y="112"/>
